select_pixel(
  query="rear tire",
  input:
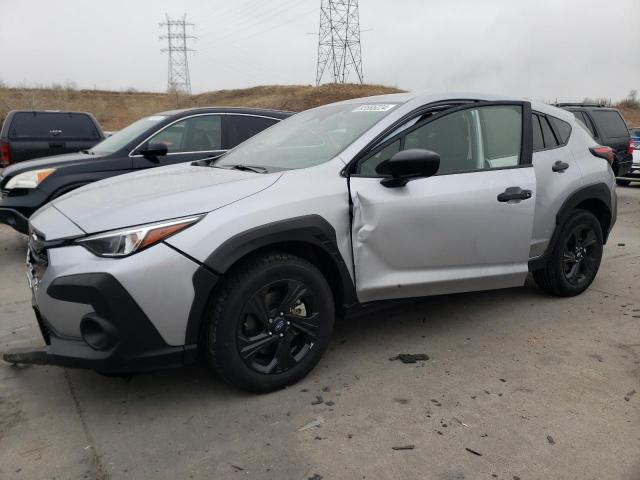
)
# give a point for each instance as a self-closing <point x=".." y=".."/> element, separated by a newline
<point x="270" y="322"/>
<point x="575" y="257"/>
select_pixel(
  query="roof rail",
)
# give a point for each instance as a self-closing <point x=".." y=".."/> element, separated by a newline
<point x="580" y="105"/>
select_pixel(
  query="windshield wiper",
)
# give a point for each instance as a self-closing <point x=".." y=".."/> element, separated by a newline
<point x="248" y="168"/>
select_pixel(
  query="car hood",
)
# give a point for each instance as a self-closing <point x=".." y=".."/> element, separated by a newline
<point x="56" y="161"/>
<point x="158" y="194"/>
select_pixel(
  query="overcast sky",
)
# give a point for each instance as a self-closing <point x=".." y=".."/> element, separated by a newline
<point x="541" y="49"/>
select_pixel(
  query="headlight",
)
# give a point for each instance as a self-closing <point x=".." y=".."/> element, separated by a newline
<point x="29" y="179"/>
<point x="120" y="243"/>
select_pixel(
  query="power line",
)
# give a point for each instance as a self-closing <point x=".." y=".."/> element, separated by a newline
<point x="339" y="49"/>
<point x="178" y="74"/>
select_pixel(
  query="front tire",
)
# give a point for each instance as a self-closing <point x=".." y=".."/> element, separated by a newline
<point x="575" y="257"/>
<point x="270" y="322"/>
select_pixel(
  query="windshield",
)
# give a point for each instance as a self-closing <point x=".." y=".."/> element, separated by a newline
<point x="123" y="137"/>
<point x="308" y="138"/>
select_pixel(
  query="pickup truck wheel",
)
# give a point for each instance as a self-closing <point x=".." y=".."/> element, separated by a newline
<point x="575" y="257"/>
<point x="270" y="322"/>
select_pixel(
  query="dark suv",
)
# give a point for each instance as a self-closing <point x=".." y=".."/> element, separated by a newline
<point x="161" y="139"/>
<point x="608" y="128"/>
<point x="29" y="134"/>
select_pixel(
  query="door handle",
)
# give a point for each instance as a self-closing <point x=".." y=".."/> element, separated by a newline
<point x="514" y="193"/>
<point x="560" y="166"/>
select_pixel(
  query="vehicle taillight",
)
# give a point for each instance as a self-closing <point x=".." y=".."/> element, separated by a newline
<point x="603" y="152"/>
<point x="5" y="160"/>
<point x="630" y="147"/>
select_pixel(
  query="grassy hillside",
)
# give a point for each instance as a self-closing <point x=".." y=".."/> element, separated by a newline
<point x="115" y="110"/>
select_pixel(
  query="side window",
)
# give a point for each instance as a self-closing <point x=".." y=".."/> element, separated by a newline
<point x="242" y="127"/>
<point x="194" y="134"/>
<point x="611" y="123"/>
<point x="538" y="142"/>
<point x="584" y="118"/>
<point x="378" y="164"/>
<point x="562" y="129"/>
<point x="547" y="133"/>
<point x="466" y="140"/>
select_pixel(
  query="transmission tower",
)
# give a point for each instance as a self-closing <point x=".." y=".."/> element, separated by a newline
<point x="339" y="41"/>
<point x="176" y="36"/>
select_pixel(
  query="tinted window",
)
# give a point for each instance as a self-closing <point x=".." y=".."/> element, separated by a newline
<point x="195" y="134"/>
<point x="611" y="123"/>
<point x="242" y="127"/>
<point x="467" y="140"/>
<point x="586" y="122"/>
<point x="127" y="135"/>
<point x="562" y="128"/>
<point x="635" y="132"/>
<point x="538" y="143"/>
<point x="52" y="125"/>
<point x="547" y="134"/>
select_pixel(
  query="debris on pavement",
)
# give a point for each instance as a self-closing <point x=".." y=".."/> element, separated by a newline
<point x="329" y="403"/>
<point x="315" y="476"/>
<point x="410" y="357"/>
<point x="404" y="447"/>
<point x="318" y="400"/>
<point x="629" y="395"/>
<point x="315" y="423"/>
<point x="473" y="451"/>
<point x="238" y="468"/>
<point x="551" y="440"/>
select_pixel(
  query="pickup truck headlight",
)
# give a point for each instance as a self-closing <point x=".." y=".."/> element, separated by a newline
<point x="125" y="242"/>
<point x="29" y="179"/>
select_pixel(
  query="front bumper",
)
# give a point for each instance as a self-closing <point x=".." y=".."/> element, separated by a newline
<point x="15" y="210"/>
<point x="117" y="316"/>
<point x="14" y="218"/>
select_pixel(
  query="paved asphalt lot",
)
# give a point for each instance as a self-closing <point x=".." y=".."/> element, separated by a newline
<point x="539" y="387"/>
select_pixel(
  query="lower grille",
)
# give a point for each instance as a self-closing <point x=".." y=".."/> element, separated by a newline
<point x="44" y="329"/>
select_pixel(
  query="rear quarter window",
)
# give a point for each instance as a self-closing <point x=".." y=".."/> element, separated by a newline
<point x="611" y="123"/>
<point x="562" y="128"/>
<point x="52" y="125"/>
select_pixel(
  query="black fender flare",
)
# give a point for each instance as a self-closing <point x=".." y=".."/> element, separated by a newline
<point x="312" y="230"/>
<point x="600" y="192"/>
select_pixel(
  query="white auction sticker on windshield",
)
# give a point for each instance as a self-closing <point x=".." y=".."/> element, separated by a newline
<point x="375" y="107"/>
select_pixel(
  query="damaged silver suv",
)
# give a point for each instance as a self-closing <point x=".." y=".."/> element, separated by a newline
<point x="248" y="259"/>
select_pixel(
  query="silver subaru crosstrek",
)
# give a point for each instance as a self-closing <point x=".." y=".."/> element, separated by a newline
<point x="248" y="259"/>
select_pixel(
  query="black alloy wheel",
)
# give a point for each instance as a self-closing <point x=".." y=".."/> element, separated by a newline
<point x="580" y="256"/>
<point x="279" y="326"/>
<point x="270" y="322"/>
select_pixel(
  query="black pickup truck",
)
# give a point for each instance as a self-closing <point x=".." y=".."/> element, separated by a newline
<point x="29" y="134"/>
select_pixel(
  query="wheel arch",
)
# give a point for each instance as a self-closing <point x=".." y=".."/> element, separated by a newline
<point x="310" y="237"/>
<point x="593" y="198"/>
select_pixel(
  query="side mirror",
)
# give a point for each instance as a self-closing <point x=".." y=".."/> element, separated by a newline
<point x="409" y="164"/>
<point x="154" y="150"/>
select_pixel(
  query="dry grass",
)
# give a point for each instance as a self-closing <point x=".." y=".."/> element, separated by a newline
<point x="114" y="110"/>
<point x="631" y="115"/>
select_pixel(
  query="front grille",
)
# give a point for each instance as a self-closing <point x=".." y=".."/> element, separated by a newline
<point x="44" y="329"/>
